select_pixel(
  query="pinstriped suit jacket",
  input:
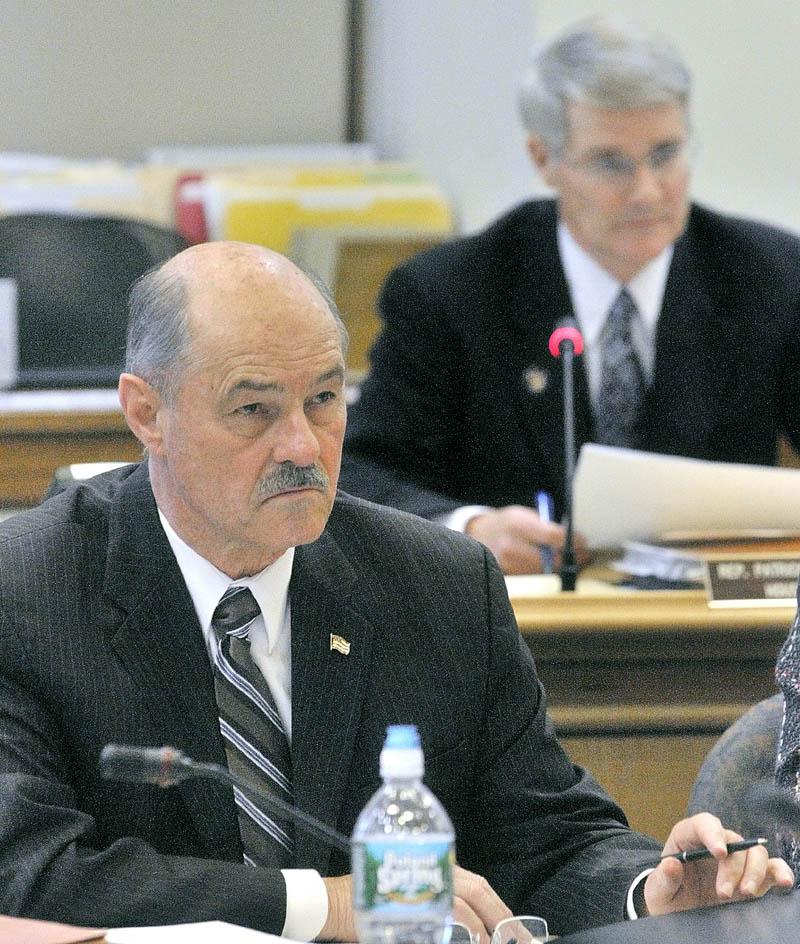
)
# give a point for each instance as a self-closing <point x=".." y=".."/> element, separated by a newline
<point x="99" y="643"/>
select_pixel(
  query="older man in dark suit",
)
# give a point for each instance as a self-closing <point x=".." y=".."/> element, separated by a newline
<point x="166" y="602"/>
<point x="691" y="319"/>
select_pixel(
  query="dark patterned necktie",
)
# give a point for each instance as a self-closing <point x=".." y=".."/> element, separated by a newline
<point x="255" y="740"/>
<point x="622" y="383"/>
<point x="787" y="769"/>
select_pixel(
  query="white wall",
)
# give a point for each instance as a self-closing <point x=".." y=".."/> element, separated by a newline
<point x="440" y="86"/>
<point x="94" y="78"/>
<point x="442" y="78"/>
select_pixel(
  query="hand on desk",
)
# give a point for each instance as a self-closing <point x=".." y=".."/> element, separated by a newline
<point x="475" y="905"/>
<point x="674" y="886"/>
<point x="514" y="534"/>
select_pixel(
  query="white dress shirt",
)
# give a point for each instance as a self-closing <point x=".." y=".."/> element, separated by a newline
<point x="271" y="650"/>
<point x="593" y="291"/>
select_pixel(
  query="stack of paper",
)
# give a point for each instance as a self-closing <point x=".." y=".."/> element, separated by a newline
<point x="623" y="495"/>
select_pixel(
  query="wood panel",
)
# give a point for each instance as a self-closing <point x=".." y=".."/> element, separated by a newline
<point x="33" y="445"/>
<point x="641" y="685"/>
<point x="361" y="266"/>
<point x="648" y="775"/>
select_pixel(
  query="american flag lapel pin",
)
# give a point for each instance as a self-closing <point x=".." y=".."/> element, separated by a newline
<point x="340" y="644"/>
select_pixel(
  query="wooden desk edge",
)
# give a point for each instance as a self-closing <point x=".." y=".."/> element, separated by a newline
<point x="643" y="610"/>
<point x="621" y="720"/>
<point x="83" y="422"/>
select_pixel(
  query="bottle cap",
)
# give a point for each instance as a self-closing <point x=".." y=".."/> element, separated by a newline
<point x="402" y="754"/>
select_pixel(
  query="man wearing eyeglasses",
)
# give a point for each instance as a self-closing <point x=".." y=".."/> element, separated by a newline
<point x="690" y="318"/>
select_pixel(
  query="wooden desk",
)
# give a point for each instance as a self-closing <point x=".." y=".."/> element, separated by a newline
<point x="641" y="685"/>
<point x="34" y="443"/>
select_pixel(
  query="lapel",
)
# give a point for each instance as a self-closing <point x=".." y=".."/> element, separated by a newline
<point x="693" y="337"/>
<point x="542" y="300"/>
<point x="328" y="688"/>
<point x="160" y="645"/>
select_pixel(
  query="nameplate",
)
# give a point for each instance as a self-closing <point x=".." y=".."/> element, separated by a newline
<point x="752" y="580"/>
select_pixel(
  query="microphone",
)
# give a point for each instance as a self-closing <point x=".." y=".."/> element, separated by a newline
<point x="766" y="799"/>
<point x="566" y="342"/>
<point x="167" y="767"/>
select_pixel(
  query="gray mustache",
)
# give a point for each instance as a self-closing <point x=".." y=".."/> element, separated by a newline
<point x="289" y="475"/>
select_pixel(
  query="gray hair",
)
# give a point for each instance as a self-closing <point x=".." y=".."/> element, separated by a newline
<point x="322" y="287"/>
<point x="159" y="347"/>
<point x="159" y="341"/>
<point x="604" y="61"/>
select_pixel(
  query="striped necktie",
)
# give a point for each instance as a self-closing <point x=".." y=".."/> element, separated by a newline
<point x="255" y="740"/>
<point x="622" y="383"/>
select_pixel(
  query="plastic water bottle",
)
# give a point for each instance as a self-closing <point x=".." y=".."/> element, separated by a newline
<point x="403" y="853"/>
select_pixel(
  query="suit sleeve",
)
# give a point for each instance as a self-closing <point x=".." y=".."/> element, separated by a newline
<point x="544" y="830"/>
<point x="55" y="864"/>
<point x="399" y="445"/>
<point x="789" y="379"/>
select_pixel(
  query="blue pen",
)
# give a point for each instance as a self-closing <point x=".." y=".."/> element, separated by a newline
<point x="544" y="508"/>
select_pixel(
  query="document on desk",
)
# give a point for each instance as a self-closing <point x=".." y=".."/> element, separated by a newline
<point x="624" y="495"/>
<point x="197" y="932"/>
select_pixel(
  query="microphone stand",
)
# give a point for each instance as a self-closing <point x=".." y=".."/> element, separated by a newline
<point x="569" y="565"/>
<point x="565" y="342"/>
<point x="167" y="767"/>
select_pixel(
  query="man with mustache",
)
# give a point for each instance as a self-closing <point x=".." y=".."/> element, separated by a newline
<point x="119" y="622"/>
<point x="460" y="417"/>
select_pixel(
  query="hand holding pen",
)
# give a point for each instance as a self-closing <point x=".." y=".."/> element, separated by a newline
<point x="692" y="855"/>
<point x="703" y="863"/>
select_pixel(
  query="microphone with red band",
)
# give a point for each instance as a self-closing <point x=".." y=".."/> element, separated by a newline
<point x="566" y="331"/>
<point x="566" y="342"/>
<point x="167" y="767"/>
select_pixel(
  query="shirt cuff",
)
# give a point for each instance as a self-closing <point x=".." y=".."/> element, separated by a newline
<point x="306" y="904"/>
<point x="630" y="909"/>
<point x="459" y="519"/>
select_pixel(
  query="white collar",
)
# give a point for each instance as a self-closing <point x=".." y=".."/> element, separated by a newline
<point x="593" y="290"/>
<point x="206" y="584"/>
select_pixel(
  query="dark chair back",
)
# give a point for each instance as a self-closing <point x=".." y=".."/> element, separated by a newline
<point x="744" y="755"/>
<point x="73" y="274"/>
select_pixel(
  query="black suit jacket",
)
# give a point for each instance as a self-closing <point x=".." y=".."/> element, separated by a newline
<point x="99" y="643"/>
<point x="448" y="416"/>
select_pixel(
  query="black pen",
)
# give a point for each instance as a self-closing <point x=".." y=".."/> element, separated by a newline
<point x="692" y="855"/>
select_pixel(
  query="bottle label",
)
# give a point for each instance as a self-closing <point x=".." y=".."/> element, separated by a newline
<point x="391" y="874"/>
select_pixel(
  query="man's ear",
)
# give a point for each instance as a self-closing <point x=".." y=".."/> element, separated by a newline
<point x="143" y="408"/>
<point x="542" y="159"/>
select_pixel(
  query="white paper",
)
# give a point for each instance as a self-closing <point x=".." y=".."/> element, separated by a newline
<point x="525" y="586"/>
<point x="56" y="401"/>
<point x="624" y="495"/>
<point x="202" y="932"/>
<point x="9" y="341"/>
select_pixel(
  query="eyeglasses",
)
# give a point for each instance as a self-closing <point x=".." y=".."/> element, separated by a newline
<point x="619" y="170"/>
<point x="522" y="929"/>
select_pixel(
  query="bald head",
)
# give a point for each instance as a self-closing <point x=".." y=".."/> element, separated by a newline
<point x="219" y="262"/>
<point x="203" y="291"/>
